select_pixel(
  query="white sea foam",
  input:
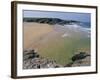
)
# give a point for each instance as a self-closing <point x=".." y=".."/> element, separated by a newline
<point x="77" y="27"/>
<point x="69" y="28"/>
<point x="65" y="35"/>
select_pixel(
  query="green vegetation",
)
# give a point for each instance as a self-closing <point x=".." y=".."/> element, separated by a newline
<point x="62" y="49"/>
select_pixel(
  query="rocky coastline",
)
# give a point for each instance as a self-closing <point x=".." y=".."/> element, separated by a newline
<point x="32" y="60"/>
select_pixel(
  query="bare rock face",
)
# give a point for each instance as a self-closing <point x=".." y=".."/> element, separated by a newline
<point x="79" y="59"/>
<point x="30" y="54"/>
<point x="83" y="62"/>
<point x="79" y="56"/>
<point x="32" y="60"/>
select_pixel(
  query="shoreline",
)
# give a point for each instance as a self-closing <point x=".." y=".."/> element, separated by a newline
<point x="52" y="42"/>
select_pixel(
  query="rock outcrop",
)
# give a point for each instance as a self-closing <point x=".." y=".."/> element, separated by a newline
<point x="79" y="59"/>
<point x="32" y="60"/>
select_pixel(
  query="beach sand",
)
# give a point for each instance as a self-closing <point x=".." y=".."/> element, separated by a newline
<point x="55" y="42"/>
<point x="33" y="31"/>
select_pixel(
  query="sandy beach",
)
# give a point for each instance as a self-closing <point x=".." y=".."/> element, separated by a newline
<point x="33" y="31"/>
<point x="55" y="42"/>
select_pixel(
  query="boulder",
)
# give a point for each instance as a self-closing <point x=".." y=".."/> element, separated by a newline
<point x="79" y="56"/>
<point x="30" y="54"/>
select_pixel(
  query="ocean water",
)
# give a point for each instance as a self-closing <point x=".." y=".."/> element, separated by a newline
<point x="85" y="24"/>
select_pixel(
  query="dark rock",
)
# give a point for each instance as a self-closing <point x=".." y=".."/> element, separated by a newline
<point x="37" y="63"/>
<point x="28" y="54"/>
<point x="50" y="21"/>
<point x="79" y="56"/>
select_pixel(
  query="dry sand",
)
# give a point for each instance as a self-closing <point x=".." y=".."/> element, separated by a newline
<point x="33" y="31"/>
